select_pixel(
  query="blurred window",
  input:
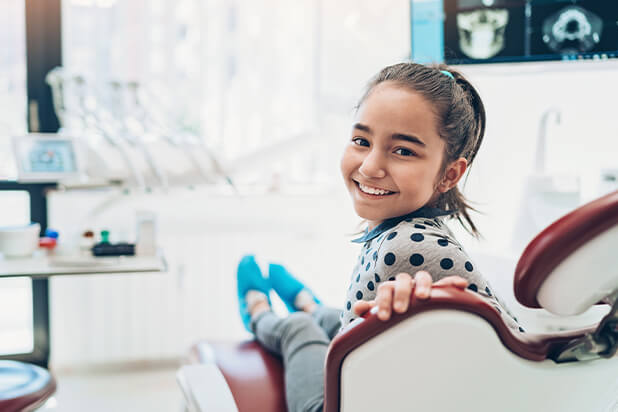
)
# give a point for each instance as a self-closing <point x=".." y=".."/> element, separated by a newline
<point x="241" y="76"/>
<point x="269" y="85"/>
<point x="12" y="80"/>
<point x="16" y="327"/>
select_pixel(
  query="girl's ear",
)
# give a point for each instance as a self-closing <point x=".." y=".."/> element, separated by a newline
<point x="454" y="171"/>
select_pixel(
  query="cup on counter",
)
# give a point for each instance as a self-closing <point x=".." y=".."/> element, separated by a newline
<point x="19" y="241"/>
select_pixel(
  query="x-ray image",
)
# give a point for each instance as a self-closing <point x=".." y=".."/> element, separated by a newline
<point x="568" y="28"/>
<point x="484" y="29"/>
<point x="491" y="31"/>
<point x="481" y="32"/>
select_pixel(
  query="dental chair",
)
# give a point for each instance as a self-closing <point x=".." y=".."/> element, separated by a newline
<point x="453" y="352"/>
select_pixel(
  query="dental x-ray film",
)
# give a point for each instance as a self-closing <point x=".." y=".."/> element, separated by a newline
<point x="571" y="28"/>
<point x="484" y="31"/>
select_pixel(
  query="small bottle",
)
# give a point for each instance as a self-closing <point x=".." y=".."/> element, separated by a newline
<point x="86" y="243"/>
<point x="104" y="236"/>
<point x="49" y="240"/>
<point x="146" y="244"/>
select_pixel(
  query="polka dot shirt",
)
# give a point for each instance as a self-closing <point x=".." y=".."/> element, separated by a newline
<point x="416" y="243"/>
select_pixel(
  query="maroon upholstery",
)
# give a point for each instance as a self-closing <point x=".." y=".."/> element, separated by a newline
<point x="24" y="387"/>
<point x="254" y="376"/>
<point x="536" y="347"/>
<point x="558" y="241"/>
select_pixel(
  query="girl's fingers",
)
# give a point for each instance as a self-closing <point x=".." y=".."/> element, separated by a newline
<point x="460" y="282"/>
<point x="456" y="281"/>
<point x="362" y="306"/>
<point x="384" y="299"/>
<point x="395" y="295"/>
<point x="423" y="284"/>
<point x="403" y="289"/>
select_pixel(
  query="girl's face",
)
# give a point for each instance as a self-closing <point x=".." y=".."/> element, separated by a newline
<point x="392" y="161"/>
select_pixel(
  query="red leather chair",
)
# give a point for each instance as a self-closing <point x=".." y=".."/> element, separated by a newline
<point x="24" y="387"/>
<point x="453" y="351"/>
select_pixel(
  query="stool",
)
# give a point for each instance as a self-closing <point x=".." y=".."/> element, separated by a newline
<point x="24" y="387"/>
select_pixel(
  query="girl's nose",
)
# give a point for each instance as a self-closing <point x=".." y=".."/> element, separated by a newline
<point x="373" y="166"/>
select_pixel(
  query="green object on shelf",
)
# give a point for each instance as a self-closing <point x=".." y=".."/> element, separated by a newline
<point x="104" y="236"/>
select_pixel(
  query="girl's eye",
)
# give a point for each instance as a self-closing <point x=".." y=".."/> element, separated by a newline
<point x="359" y="141"/>
<point x="405" y="152"/>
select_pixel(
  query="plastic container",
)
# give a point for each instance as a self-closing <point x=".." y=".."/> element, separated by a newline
<point x="19" y="241"/>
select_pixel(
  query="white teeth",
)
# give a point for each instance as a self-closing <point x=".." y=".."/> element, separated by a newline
<point x="373" y="191"/>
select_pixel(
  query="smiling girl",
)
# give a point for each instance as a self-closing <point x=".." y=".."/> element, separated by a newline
<point x="417" y="130"/>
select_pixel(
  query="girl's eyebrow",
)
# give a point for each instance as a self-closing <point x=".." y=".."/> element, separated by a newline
<point x="363" y="128"/>
<point x="408" y="138"/>
<point x="396" y="136"/>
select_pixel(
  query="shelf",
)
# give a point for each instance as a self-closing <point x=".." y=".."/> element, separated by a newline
<point x="44" y="266"/>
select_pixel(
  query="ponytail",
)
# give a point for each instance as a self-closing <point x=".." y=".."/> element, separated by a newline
<point x="470" y="142"/>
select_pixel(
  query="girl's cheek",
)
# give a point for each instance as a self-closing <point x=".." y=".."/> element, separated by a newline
<point x="344" y="163"/>
<point x="347" y="160"/>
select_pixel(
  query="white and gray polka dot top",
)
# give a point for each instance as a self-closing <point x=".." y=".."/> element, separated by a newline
<point x="415" y="243"/>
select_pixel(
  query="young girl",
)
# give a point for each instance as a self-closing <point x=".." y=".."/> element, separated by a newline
<point x="417" y="130"/>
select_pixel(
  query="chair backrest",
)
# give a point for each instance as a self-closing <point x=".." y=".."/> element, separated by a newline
<point x="371" y="332"/>
<point x="573" y="263"/>
<point x="452" y="360"/>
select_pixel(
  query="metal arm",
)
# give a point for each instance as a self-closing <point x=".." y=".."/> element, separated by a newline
<point x="602" y="343"/>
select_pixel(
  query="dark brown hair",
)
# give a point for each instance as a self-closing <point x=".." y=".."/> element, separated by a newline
<point x="461" y="119"/>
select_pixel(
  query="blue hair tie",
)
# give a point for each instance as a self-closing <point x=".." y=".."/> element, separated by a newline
<point x="447" y="73"/>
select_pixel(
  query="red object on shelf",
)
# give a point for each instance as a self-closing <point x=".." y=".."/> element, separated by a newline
<point x="47" y="242"/>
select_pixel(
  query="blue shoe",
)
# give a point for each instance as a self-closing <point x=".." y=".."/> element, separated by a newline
<point x="287" y="286"/>
<point x="249" y="277"/>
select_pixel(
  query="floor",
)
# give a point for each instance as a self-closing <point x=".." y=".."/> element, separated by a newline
<point x="136" y="389"/>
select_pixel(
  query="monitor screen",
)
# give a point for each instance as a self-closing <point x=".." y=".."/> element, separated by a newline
<point x="45" y="157"/>
<point x="50" y="156"/>
<point x="491" y="31"/>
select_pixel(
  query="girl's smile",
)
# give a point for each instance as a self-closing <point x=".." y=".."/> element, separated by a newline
<point x="373" y="192"/>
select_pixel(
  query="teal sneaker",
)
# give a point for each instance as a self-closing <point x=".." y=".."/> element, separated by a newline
<point x="249" y="277"/>
<point x="287" y="286"/>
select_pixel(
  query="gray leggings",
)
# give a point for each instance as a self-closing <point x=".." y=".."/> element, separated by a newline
<point x="302" y="340"/>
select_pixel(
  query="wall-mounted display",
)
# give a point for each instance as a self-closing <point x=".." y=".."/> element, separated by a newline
<point x="490" y="31"/>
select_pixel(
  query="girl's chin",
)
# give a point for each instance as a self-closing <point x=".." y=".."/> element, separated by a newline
<point x="369" y="215"/>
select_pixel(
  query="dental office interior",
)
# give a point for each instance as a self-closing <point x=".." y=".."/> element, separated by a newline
<point x="147" y="145"/>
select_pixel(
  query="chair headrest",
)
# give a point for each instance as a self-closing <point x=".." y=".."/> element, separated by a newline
<point x="573" y="263"/>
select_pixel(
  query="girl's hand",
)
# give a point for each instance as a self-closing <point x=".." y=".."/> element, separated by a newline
<point x="395" y="294"/>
